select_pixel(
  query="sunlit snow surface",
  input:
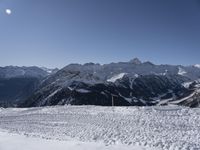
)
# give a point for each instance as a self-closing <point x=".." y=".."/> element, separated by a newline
<point x="110" y="128"/>
<point x="116" y="77"/>
<point x="10" y="141"/>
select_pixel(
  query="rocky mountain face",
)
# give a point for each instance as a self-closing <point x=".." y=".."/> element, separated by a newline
<point x="132" y="83"/>
<point x="192" y="99"/>
<point x="18" y="83"/>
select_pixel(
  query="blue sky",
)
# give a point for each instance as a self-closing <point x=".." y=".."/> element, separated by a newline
<point x="54" y="33"/>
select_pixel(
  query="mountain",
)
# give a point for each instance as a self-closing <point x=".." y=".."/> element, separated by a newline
<point x="197" y="65"/>
<point x="128" y="83"/>
<point x="135" y="61"/>
<point x="49" y="71"/>
<point x="15" y="71"/>
<point x="18" y="83"/>
<point x="192" y="99"/>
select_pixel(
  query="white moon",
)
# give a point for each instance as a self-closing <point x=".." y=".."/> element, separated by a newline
<point x="8" y="11"/>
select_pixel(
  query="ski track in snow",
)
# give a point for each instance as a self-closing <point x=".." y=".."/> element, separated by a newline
<point x="167" y="128"/>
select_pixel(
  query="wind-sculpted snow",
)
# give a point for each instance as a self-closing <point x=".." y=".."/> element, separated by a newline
<point x="156" y="127"/>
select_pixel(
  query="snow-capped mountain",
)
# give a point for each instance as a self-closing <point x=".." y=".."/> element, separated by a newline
<point x="50" y="71"/>
<point x="193" y="99"/>
<point x="15" y="71"/>
<point x="116" y="77"/>
<point x="197" y="65"/>
<point x="130" y="83"/>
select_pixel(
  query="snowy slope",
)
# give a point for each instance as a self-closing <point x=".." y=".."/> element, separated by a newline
<point x="10" y="141"/>
<point x="50" y="71"/>
<point x="181" y="71"/>
<point x="197" y="65"/>
<point x="149" y="127"/>
<point x="116" y="77"/>
<point x="15" y="71"/>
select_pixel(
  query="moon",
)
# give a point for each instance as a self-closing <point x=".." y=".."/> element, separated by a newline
<point x="8" y="11"/>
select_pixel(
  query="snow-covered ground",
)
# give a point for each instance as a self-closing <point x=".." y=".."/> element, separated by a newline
<point x="93" y="127"/>
<point x="12" y="141"/>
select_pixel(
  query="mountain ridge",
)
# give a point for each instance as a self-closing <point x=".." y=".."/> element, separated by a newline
<point x="134" y="83"/>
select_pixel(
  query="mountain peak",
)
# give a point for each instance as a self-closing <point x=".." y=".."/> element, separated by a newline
<point x="197" y="65"/>
<point x="49" y="71"/>
<point x="135" y="61"/>
<point x="148" y="63"/>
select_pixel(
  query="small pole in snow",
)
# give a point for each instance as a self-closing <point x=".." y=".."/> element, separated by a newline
<point x="113" y="101"/>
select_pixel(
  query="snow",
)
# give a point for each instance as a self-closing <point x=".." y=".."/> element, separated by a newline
<point x="164" y="101"/>
<point x="83" y="91"/>
<point x="164" y="73"/>
<point x="183" y="99"/>
<point x="52" y="94"/>
<point x="187" y="84"/>
<point x="95" y="127"/>
<point x="181" y="71"/>
<point x="50" y="71"/>
<point x="126" y="98"/>
<point x="143" y="101"/>
<point x="10" y="141"/>
<point x="197" y="65"/>
<point x="136" y="75"/>
<point x="116" y="77"/>
<point x="71" y="89"/>
<point x="159" y="97"/>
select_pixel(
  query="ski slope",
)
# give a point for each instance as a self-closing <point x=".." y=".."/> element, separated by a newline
<point x="95" y="127"/>
<point x="10" y="141"/>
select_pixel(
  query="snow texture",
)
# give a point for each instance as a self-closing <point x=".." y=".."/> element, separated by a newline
<point x="83" y="91"/>
<point x="165" y="128"/>
<point x="116" y="77"/>
<point x="197" y="65"/>
<point x="181" y="71"/>
<point x="187" y="84"/>
<point x="9" y="141"/>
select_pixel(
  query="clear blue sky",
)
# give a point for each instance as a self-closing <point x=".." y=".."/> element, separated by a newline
<point x="54" y="33"/>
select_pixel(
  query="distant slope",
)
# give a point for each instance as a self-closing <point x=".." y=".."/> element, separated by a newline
<point x="142" y="91"/>
<point x="18" y="83"/>
<point x="15" y="71"/>
<point x="13" y="90"/>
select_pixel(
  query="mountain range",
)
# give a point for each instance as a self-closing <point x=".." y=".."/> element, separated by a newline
<point x="132" y="83"/>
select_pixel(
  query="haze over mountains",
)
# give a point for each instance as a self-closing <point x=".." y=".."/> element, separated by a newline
<point x="132" y="83"/>
<point x="18" y="83"/>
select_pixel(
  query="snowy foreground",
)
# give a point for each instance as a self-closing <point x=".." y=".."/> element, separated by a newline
<point x="96" y="128"/>
<point x="17" y="142"/>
